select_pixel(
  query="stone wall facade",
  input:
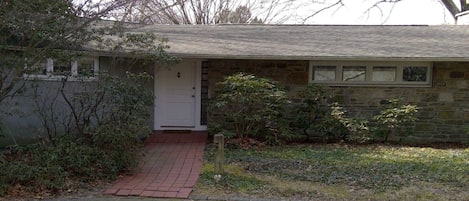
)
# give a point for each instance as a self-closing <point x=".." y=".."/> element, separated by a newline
<point x="290" y="74"/>
<point x="443" y="107"/>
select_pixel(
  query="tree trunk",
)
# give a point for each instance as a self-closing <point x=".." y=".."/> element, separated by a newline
<point x="464" y="5"/>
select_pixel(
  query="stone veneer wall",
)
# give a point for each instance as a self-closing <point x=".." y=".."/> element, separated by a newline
<point x="444" y="107"/>
<point x="290" y="74"/>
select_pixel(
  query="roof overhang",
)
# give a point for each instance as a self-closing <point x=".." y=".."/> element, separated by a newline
<point x="319" y="58"/>
<point x="462" y="13"/>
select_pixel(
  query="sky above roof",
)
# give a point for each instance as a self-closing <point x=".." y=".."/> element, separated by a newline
<point x="354" y="12"/>
<point x="429" y="12"/>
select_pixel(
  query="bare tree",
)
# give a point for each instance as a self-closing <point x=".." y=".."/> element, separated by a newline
<point x="450" y="5"/>
<point x="249" y="11"/>
<point x="206" y="11"/>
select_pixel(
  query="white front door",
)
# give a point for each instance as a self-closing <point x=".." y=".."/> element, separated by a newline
<point x="176" y="96"/>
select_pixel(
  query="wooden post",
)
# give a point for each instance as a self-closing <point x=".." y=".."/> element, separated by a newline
<point x="220" y="155"/>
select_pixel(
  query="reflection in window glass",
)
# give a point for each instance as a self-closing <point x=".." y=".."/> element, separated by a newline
<point x="414" y="74"/>
<point x="62" y="67"/>
<point x="85" y="67"/>
<point x="354" y="73"/>
<point x="39" y="68"/>
<point x="384" y="74"/>
<point x="324" y="73"/>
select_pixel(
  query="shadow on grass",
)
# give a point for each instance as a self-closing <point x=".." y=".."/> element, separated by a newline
<point x="375" y="168"/>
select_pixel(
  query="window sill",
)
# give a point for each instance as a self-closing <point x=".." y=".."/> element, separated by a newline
<point x="393" y="85"/>
<point x="57" y="78"/>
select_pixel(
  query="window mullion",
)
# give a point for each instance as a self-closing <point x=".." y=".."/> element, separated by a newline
<point x="96" y="66"/>
<point x="368" y="73"/>
<point x="74" y="70"/>
<point x="49" y="67"/>
<point x="339" y="73"/>
<point x="400" y="73"/>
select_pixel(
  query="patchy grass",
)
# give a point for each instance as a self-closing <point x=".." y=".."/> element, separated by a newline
<point x="235" y="179"/>
<point x="337" y="172"/>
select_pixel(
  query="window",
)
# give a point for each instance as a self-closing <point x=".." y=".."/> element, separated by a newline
<point x="324" y="73"/>
<point x="60" y="67"/>
<point x="51" y="69"/>
<point x="353" y="73"/>
<point x="371" y="73"/>
<point x="39" y="68"/>
<point x="384" y="73"/>
<point x="414" y="74"/>
<point x="86" y="67"/>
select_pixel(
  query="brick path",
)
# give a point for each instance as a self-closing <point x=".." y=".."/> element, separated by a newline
<point x="169" y="169"/>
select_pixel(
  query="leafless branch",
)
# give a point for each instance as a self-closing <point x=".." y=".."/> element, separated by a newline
<point x="443" y="10"/>
<point x="389" y="15"/>
<point x="447" y="4"/>
<point x="338" y="3"/>
<point x="204" y="11"/>
<point x="377" y="6"/>
<point x="451" y="7"/>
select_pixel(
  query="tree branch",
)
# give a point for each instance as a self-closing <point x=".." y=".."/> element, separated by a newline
<point x="451" y="7"/>
<point x="337" y="3"/>
<point x="464" y="5"/>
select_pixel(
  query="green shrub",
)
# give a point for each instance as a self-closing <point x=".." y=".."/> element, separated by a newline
<point x="40" y="167"/>
<point x="31" y="168"/>
<point x="100" y="150"/>
<point x="335" y="126"/>
<point x="83" y="161"/>
<point x="124" y="122"/>
<point x="121" y="143"/>
<point x="331" y="127"/>
<point x="357" y="129"/>
<point x="315" y="119"/>
<point x="246" y="106"/>
<point x="395" y="119"/>
<point x="112" y="100"/>
<point x="310" y="111"/>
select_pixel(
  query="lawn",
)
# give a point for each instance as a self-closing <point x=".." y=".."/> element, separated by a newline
<point x="341" y="172"/>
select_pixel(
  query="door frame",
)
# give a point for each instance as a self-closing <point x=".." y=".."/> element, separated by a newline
<point x="198" y="98"/>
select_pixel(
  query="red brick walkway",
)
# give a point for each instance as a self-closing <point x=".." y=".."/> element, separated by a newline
<point x="169" y="169"/>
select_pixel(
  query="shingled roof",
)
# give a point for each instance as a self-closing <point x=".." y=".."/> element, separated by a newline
<point x="445" y="42"/>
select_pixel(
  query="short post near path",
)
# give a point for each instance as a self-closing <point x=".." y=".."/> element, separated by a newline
<point x="219" y="140"/>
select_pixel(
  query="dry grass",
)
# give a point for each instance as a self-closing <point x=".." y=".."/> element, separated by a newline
<point x="341" y="172"/>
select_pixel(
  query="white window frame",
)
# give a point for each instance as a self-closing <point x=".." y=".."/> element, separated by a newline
<point x="399" y="82"/>
<point x="73" y="70"/>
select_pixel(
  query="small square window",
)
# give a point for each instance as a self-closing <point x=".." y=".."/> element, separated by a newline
<point x="384" y="74"/>
<point x="324" y="73"/>
<point x="414" y="74"/>
<point x="86" y="67"/>
<point x="39" y="68"/>
<point x="354" y="73"/>
<point x="62" y="67"/>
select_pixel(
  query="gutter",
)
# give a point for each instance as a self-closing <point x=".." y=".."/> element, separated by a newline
<point x="264" y="57"/>
<point x="320" y="58"/>
<point x="462" y="14"/>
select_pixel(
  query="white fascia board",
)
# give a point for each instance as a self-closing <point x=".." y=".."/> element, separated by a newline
<point x="322" y="58"/>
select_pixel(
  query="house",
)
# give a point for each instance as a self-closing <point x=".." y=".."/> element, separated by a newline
<point x="363" y="65"/>
<point x="462" y="18"/>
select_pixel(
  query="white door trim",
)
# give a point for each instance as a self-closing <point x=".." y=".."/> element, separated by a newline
<point x="198" y="99"/>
